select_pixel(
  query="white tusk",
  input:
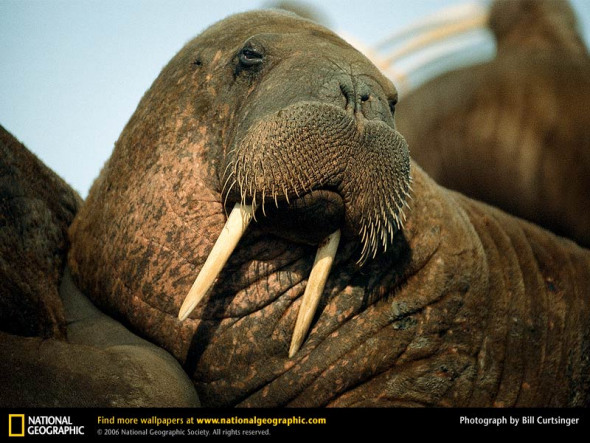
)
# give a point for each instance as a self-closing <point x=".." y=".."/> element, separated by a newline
<point x="440" y="18"/>
<point x="430" y="34"/>
<point x="313" y="291"/>
<point x="234" y="228"/>
<point x="435" y="35"/>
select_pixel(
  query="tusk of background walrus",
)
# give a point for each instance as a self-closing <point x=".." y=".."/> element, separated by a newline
<point x="234" y="228"/>
<point x="424" y="34"/>
<point x="442" y="17"/>
<point x="315" y="286"/>
<point x="437" y="34"/>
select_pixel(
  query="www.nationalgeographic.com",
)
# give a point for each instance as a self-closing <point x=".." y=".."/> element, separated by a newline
<point x="261" y="421"/>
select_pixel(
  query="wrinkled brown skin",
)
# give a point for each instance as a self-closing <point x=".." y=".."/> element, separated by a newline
<point x="36" y="209"/>
<point x="514" y="131"/>
<point x="468" y="307"/>
<point x="56" y="348"/>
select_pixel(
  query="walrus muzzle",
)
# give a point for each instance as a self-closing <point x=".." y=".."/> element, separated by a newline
<point x="299" y="150"/>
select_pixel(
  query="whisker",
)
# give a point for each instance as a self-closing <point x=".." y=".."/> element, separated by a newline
<point x="227" y="196"/>
<point x="263" y="210"/>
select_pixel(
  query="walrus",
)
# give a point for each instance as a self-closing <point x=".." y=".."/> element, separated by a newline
<point x="432" y="298"/>
<point x="514" y="131"/>
<point x="57" y="349"/>
<point x="36" y="209"/>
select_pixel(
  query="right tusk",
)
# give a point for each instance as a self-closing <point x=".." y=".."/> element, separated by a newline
<point x="313" y="291"/>
<point x="234" y="228"/>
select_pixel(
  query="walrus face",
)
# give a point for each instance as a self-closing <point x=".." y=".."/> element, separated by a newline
<point x="316" y="146"/>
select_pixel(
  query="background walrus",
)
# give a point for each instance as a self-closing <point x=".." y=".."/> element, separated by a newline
<point x="514" y="131"/>
<point x="465" y="306"/>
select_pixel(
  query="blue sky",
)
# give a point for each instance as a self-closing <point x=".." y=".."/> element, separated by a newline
<point x="73" y="71"/>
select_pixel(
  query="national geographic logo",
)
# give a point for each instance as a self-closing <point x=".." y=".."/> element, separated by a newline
<point x="19" y="425"/>
<point x="16" y="425"/>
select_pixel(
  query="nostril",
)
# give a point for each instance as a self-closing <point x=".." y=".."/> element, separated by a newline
<point x="347" y="93"/>
<point x="352" y="96"/>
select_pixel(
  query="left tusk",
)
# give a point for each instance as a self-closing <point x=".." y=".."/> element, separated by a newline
<point x="313" y="291"/>
<point x="232" y="231"/>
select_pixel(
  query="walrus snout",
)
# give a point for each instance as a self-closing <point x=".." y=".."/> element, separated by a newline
<point x="312" y="146"/>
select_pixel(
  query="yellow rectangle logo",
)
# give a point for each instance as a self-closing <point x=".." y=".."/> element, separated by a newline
<point x="14" y="430"/>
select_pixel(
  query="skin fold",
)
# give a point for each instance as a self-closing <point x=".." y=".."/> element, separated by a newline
<point x="57" y="349"/>
<point x="36" y="208"/>
<point x="514" y="131"/>
<point x="464" y="306"/>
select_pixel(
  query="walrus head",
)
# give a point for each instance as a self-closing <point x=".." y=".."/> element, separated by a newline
<point x="264" y="112"/>
<point x="313" y="144"/>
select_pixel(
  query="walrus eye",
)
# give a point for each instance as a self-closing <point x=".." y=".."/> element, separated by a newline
<point x="249" y="56"/>
<point x="392" y="104"/>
